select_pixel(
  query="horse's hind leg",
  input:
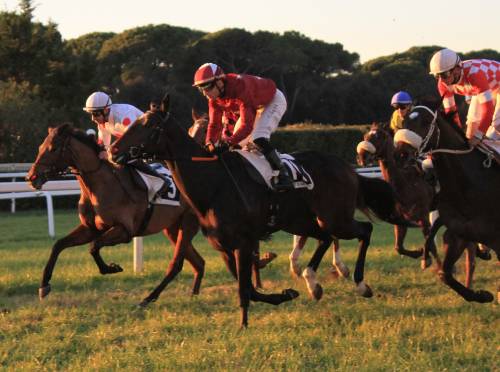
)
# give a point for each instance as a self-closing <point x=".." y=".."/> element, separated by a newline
<point x="453" y="250"/>
<point x="309" y="273"/>
<point x="364" y="241"/>
<point x="298" y="245"/>
<point x="337" y="262"/>
<point x="80" y="235"/>
<point x="198" y="264"/>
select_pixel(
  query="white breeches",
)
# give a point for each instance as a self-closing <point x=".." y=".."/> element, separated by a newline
<point x="473" y="117"/>
<point x="267" y="119"/>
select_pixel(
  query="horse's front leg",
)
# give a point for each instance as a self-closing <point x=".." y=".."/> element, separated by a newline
<point x="244" y="261"/>
<point x="80" y="235"/>
<point x="113" y="236"/>
<point x="399" y="237"/>
<point x="453" y="249"/>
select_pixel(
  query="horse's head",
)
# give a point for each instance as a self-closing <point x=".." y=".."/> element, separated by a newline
<point x="52" y="158"/>
<point x="143" y="138"/>
<point x="419" y="134"/>
<point x="374" y="145"/>
<point x="199" y="128"/>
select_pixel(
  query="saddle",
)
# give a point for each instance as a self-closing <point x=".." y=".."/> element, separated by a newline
<point x="257" y="161"/>
<point x="153" y="184"/>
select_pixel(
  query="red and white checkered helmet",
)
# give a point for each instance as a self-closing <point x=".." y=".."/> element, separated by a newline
<point x="207" y="73"/>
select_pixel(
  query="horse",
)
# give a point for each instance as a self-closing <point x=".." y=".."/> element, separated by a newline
<point x="112" y="208"/>
<point x="234" y="209"/>
<point x="469" y="180"/>
<point x="198" y="130"/>
<point x="414" y="194"/>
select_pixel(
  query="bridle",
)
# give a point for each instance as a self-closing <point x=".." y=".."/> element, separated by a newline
<point x="433" y="127"/>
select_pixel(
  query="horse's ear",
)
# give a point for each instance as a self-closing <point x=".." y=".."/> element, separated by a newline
<point x="165" y="103"/>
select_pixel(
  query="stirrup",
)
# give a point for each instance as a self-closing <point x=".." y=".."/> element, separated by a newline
<point x="282" y="183"/>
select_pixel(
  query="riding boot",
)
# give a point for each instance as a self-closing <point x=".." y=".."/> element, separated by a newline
<point x="148" y="169"/>
<point x="283" y="181"/>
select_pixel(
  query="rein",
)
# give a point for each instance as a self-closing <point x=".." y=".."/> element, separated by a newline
<point x="433" y="127"/>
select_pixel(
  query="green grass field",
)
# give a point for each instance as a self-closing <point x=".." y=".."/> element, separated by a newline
<point x="90" y="322"/>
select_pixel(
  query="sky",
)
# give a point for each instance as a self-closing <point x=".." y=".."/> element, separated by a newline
<point x="371" y="28"/>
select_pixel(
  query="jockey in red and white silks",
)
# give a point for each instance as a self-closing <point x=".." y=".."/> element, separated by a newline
<point x="120" y="116"/>
<point x="112" y="119"/>
<point x="260" y="106"/>
<point x="477" y="78"/>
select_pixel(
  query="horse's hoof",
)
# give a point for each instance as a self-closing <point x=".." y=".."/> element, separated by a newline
<point x="113" y="268"/>
<point x="290" y="294"/>
<point x="317" y="293"/>
<point x="425" y="263"/>
<point x="484" y="296"/>
<point x="43" y="291"/>
<point x="364" y="290"/>
<point x="266" y="258"/>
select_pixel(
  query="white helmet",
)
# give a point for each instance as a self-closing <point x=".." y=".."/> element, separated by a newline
<point x="443" y="61"/>
<point x="97" y="101"/>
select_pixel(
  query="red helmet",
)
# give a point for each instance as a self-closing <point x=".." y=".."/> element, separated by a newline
<point x="207" y="73"/>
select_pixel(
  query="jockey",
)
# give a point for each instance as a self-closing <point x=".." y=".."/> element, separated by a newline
<point x="401" y="102"/>
<point x="260" y="106"/>
<point x="477" y="78"/>
<point x="112" y="120"/>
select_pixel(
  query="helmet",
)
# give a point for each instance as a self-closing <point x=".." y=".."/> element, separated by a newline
<point x="207" y="73"/>
<point x="97" y="101"/>
<point x="443" y="61"/>
<point x="401" y="98"/>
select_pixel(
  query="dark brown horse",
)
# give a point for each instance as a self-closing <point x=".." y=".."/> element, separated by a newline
<point x="413" y="194"/>
<point x="468" y="202"/>
<point x="112" y="208"/>
<point x="199" y="131"/>
<point x="234" y="209"/>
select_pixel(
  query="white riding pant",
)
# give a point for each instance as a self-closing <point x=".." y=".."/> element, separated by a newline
<point x="267" y="119"/>
<point x="474" y="116"/>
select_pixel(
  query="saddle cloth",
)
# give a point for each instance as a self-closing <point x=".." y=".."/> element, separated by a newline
<point x="300" y="177"/>
<point x="154" y="184"/>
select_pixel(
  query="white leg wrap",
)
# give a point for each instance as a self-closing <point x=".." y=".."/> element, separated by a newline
<point x="310" y="277"/>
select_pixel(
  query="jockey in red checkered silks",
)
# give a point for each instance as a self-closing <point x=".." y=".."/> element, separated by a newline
<point x="477" y="78"/>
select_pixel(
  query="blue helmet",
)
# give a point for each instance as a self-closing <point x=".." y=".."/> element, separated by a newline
<point x="401" y="98"/>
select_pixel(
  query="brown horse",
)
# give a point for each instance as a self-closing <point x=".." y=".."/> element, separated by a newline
<point x="112" y="208"/>
<point x="199" y="131"/>
<point x="414" y="195"/>
<point x="234" y="208"/>
<point x="468" y="201"/>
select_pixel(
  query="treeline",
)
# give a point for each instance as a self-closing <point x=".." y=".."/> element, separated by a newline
<point x="44" y="80"/>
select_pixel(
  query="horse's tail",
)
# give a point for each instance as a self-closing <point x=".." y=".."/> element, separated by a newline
<point x="378" y="197"/>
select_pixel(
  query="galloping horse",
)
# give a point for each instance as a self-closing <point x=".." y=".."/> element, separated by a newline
<point x="112" y="208"/>
<point x="198" y="131"/>
<point x="468" y="202"/>
<point x="413" y="193"/>
<point x="234" y="209"/>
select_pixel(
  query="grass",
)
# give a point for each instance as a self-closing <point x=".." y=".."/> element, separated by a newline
<point x="90" y="322"/>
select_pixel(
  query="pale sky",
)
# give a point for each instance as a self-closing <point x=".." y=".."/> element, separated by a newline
<point x="371" y="28"/>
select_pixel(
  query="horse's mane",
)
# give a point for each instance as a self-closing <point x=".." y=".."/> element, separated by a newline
<point x="81" y="136"/>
